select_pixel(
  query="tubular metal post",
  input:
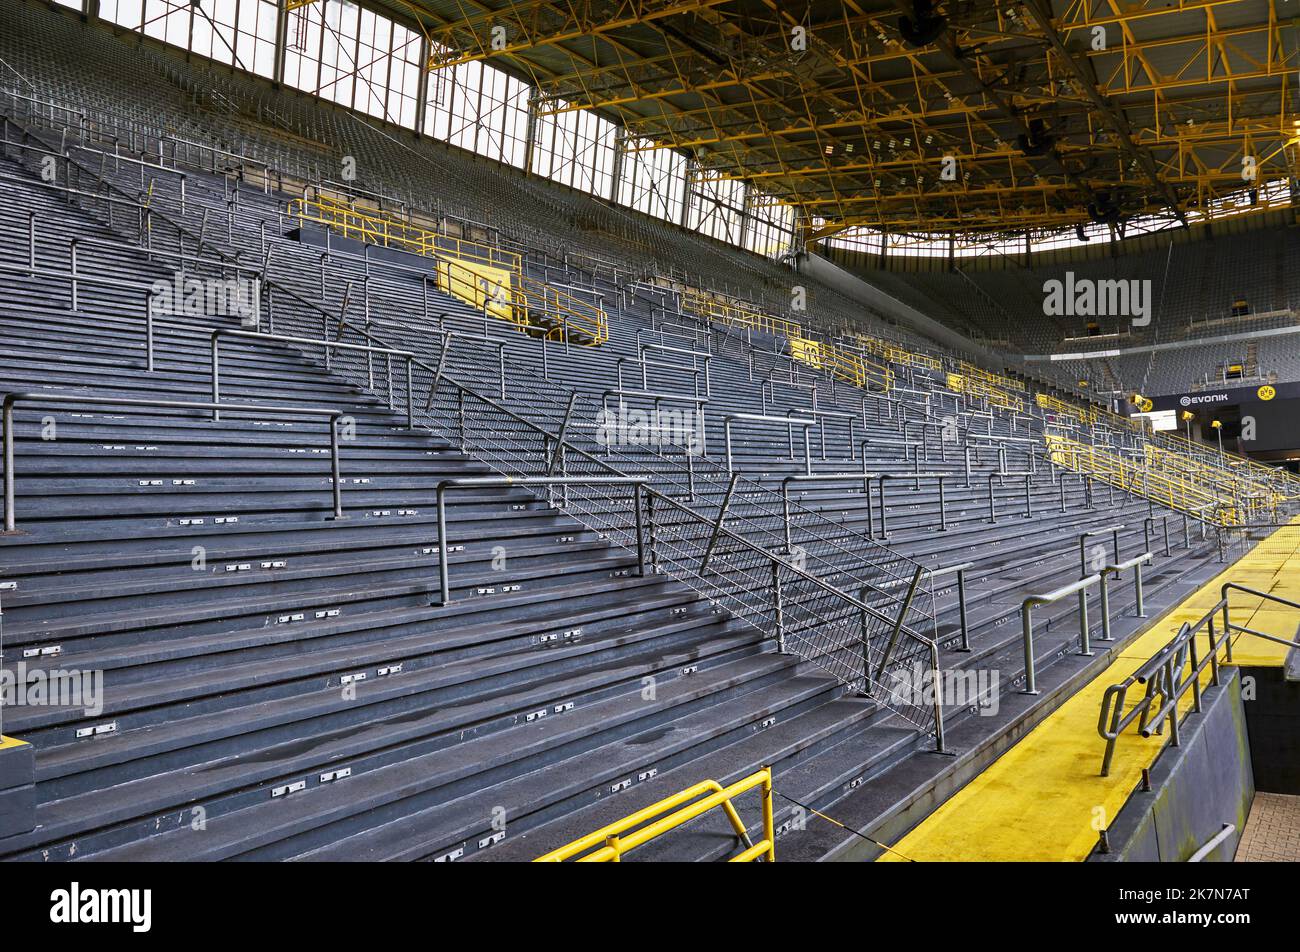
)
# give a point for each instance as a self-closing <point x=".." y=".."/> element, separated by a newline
<point x="148" y="332"/>
<point x="216" y="377"/>
<point x="72" y="252"/>
<point x="938" y="699"/>
<point x="961" y="610"/>
<point x="410" y="394"/>
<point x="1027" y="626"/>
<point x="1085" y="644"/>
<point x="640" y="530"/>
<point x="9" y="522"/>
<point x="444" y="583"/>
<point x="336" y="476"/>
<point x="778" y="606"/>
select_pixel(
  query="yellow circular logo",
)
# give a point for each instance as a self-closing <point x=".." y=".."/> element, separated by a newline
<point x="1266" y="392"/>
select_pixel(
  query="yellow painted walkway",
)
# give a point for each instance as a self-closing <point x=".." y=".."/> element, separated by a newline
<point x="1040" y="800"/>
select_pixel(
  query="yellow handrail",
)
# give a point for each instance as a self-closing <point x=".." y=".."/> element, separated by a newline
<point x="481" y="275"/>
<point x="897" y="355"/>
<point x="736" y="313"/>
<point x="999" y="381"/>
<point x="390" y="232"/>
<point x="977" y="387"/>
<point x="1249" y="476"/>
<point x="609" y="843"/>
<point x="842" y="363"/>
<point x="1174" y="489"/>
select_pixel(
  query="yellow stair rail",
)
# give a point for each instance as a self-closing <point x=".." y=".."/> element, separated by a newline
<point x="610" y="843"/>
<point x="977" y="387"/>
<point x="1258" y="470"/>
<point x="483" y="276"/>
<point x="898" y="355"/>
<point x="1173" y="489"/>
<point x="842" y="364"/>
<point x="997" y="381"/>
<point x="736" y="313"/>
<point x="387" y="231"/>
<point x="1081" y="413"/>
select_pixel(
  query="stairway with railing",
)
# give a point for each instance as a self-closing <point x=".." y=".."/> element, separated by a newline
<point x="805" y="567"/>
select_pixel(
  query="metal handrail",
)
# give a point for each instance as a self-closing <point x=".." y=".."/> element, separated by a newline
<point x="1139" y="610"/>
<point x="496" y="482"/>
<point x="1091" y="533"/>
<point x="11" y="399"/>
<point x="1163" y="674"/>
<point x="960" y="571"/>
<point x="614" y="840"/>
<point x="1027" y="623"/>
<point x="325" y="343"/>
<point x="789" y="421"/>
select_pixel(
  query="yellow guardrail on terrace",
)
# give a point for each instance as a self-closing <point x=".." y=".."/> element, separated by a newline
<point x="898" y="355"/>
<point x="1173" y="489"/>
<point x="528" y="304"/>
<point x="387" y="231"/>
<point x="725" y="310"/>
<point x="610" y="843"/>
<point x="842" y="363"/>
<point x="975" y="387"/>
<point x="998" y="381"/>
<point x="485" y="277"/>
<point x="1254" y="497"/>
<point x="1258" y="471"/>
<point x="1083" y="413"/>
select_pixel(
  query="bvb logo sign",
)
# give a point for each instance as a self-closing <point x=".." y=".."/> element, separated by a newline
<point x="1266" y="392"/>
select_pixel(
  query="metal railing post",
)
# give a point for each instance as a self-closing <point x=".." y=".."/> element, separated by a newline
<point x="148" y="331"/>
<point x="444" y="583"/>
<point x="72" y="253"/>
<point x="1027" y="628"/>
<point x="778" y="606"/>
<point x="640" y="529"/>
<point x="8" y="422"/>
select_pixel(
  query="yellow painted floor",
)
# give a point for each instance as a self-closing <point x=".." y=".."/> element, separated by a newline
<point x="1044" y="799"/>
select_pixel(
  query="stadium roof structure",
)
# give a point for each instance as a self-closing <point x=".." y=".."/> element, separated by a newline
<point x="1051" y="113"/>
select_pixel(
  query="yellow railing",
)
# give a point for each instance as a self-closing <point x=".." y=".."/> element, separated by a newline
<point x="843" y="364"/>
<point x="736" y="313"/>
<point x="1232" y="461"/>
<point x="485" y="277"/>
<point x="1254" y="496"/>
<point x="1174" y="489"/>
<point x="609" y="843"/>
<point x="898" y="355"/>
<point x="1081" y="413"/>
<point x="976" y="387"/>
<point x="997" y="381"/>
<point x="377" y="228"/>
<point x="1255" y="487"/>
